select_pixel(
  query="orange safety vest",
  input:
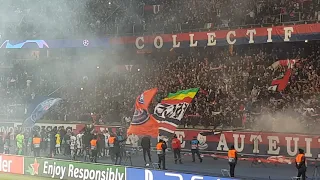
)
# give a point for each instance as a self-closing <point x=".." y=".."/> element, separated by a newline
<point x="299" y="158"/>
<point x="232" y="155"/>
<point x="93" y="143"/>
<point x="159" y="148"/>
<point x="36" y="142"/>
<point x="111" y="141"/>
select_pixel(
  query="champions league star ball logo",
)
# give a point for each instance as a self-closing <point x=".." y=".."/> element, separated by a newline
<point x="85" y="42"/>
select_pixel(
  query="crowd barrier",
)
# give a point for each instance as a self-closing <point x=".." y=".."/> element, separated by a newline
<point x="74" y="170"/>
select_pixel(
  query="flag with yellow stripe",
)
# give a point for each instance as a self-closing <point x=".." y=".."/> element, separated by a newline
<point x="172" y="109"/>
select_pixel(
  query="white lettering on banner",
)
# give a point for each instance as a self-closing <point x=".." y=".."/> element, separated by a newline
<point x="255" y="139"/>
<point x="230" y="37"/>
<point x="269" y="34"/>
<point x="196" y="178"/>
<point x="57" y="171"/>
<point x="222" y="142"/>
<point x="148" y="175"/>
<point x="295" y="141"/>
<point x="236" y="144"/>
<point x="5" y="165"/>
<point x="308" y="145"/>
<point x="174" y="175"/>
<point x="181" y="135"/>
<point x="156" y="9"/>
<point x="158" y="42"/>
<point x="273" y="142"/>
<point x="250" y="32"/>
<point x="273" y="149"/>
<point x="47" y="126"/>
<point x="211" y="39"/>
<point x="174" y="41"/>
<point x="138" y="43"/>
<point x="173" y="111"/>
<point x="192" y="43"/>
<point x="6" y="129"/>
<point x="287" y="33"/>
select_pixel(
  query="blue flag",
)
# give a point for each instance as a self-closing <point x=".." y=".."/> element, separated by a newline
<point x="38" y="108"/>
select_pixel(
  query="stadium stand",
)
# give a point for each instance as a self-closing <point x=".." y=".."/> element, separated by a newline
<point x="234" y="82"/>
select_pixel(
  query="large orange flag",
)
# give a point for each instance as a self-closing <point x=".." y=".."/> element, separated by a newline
<point x="144" y="123"/>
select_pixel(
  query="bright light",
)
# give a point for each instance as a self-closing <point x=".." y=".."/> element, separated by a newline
<point x="306" y="41"/>
<point x="98" y="67"/>
<point x="109" y="3"/>
<point x="81" y="89"/>
<point x="138" y="69"/>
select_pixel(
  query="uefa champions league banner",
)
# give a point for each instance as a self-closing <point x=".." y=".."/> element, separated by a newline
<point x="147" y="174"/>
<point x="260" y="35"/>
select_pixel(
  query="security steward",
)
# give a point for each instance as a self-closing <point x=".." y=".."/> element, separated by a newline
<point x="195" y="149"/>
<point x="233" y="159"/>
<point x="111" y="142"/>
<point x="301" y="164"/>
<point x="161" y="151"/>
<point x="94" y="149"/>
<point x="176" y="146"/>
<point x="36" y="141"/>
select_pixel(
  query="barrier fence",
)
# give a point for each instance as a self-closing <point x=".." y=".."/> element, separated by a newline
<point x="73" y="170"/>
<point x="264" y="144"/>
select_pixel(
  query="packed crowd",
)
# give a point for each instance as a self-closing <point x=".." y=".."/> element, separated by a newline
<point x="60" y="19"/>
<point x="234" y="85"/>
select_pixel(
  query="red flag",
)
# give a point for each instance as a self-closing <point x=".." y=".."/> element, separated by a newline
<point x="144" y="123"/>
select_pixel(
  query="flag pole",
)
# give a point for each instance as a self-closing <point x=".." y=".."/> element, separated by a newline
<point x="55" y="91"/>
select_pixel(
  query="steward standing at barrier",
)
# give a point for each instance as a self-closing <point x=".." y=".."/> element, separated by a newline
<point x="195" y="149"/>
<point x="233" y="159"/>
<point x="111" y="142"/>
<point x="161" y="151"/>
<point x="94" y="148"/>
<point x="36" y="145"/>
<point x="176" y="146"/>
<point x="301" y="164"/>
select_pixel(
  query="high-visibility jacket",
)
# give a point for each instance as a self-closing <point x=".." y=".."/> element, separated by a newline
<point x="159" y="148"/>
<point x="299" y="158"/>
<point x="111" y="141"/>
<point x="232" y="155"/>
<point x="93" y="143"/>
<point x="36" y="142"/>
<point x="176" y="144"/>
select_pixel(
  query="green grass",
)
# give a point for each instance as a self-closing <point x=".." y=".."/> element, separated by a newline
<point x="5" y="176"/>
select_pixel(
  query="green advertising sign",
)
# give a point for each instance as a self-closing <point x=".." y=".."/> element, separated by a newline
<point x="60" y="169"/>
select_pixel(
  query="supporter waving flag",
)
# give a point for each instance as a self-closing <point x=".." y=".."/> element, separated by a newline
<point x="38" y="108"/>
<point x="172" y="109"/>
<point x="144" y="123"/>
<point x="280" y="83"/>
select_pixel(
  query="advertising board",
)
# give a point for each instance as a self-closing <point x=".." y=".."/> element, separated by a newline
<point x="11" y="164"/>
<point x="146" y="174"/>
<point x="6" y="127"/>
<point x="72" y="170"/>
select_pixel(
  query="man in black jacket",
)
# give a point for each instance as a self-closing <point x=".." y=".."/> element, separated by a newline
<point x="146" y="146"/>
<point x="117" y="149"/>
